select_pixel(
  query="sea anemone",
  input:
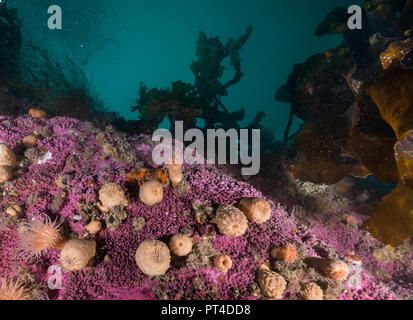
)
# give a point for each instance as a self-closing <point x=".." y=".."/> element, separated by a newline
<point x="175" y="171"/>
<point x="350" y="220"/>
<point x="37" y="113"/>
<point x="201" y="255"/>
<point x="335" y="269"/>
<point x="111" y="195"/>
<point x="256" y="209"/>
<point x="7" y="156"/>
<point x="29" y="141"/>
<point x="286" y="253"/>
<point x="180" y="245"/>
<point x="331" y="268"/>
<point x="14" y="211"/>
<point x="153" y="258"/>
<point x="94" y="227"/>
<point x="222" y="263"/>
<point x="77" y="254"/>
<point x="37" y="237"/>
<point x="272" y="284"/>
<point x="6" y="173"/>
<point x="151" y="193"/>
<point x="231" y="221"/>
<point x="311" y="291"/>
<point x="13" y="290"/>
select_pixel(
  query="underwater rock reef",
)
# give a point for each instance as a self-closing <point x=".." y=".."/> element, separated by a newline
<point x="91" y="206"/>
<point x="356" y="102"/>
<point x="85" y="213"/>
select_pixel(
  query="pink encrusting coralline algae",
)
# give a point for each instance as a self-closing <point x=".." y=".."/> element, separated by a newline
<point x="61" y="176"/>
